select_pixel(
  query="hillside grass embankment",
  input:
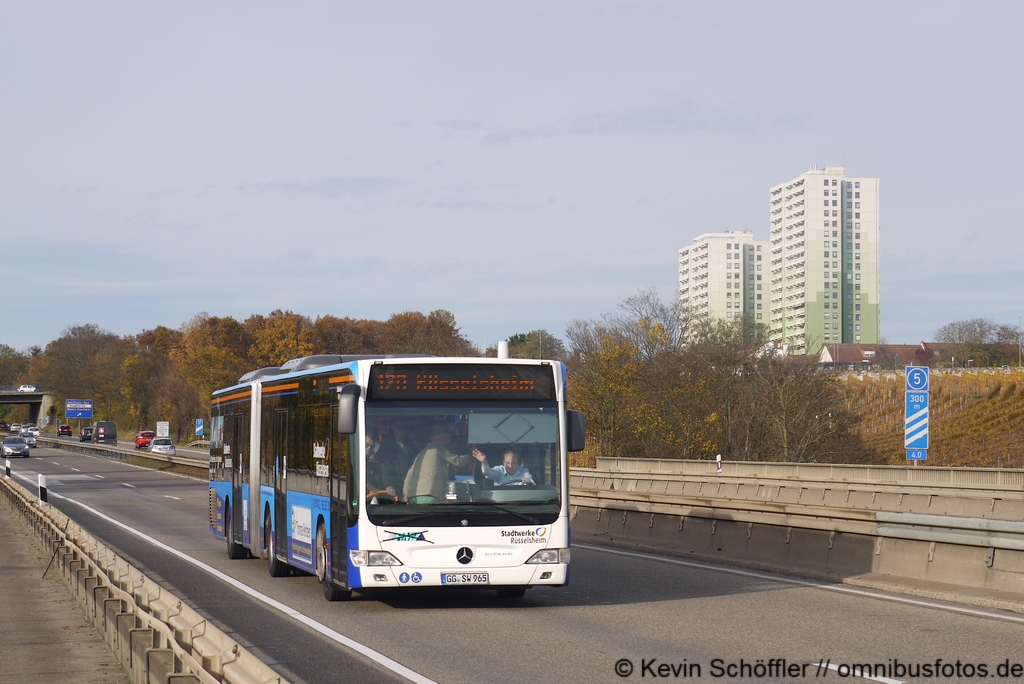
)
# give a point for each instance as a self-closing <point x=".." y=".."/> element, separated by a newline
<point x="976" y="416"/>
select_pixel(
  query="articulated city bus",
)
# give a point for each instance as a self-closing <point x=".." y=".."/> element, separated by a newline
<point x="385" y="472"/>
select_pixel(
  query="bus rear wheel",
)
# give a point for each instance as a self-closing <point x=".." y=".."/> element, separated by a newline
<point x="235" y="551"/>
<point x="274" y="566"/>
<point x="332" y="592"/>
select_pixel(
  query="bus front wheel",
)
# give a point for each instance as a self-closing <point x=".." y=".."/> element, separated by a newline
<point x="332" y="592"/>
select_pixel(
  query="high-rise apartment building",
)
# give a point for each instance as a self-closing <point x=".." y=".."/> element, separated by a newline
<point x="824" y="261"/>
<point x="724" y="275"/>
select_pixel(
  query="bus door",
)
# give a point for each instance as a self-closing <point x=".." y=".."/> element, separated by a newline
<point x="280" y="482"/>
<point x="338" y="455"/>
<point x="232" y="448"/>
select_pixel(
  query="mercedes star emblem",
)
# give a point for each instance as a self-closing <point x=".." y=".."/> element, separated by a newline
<point x="464" y="555"/>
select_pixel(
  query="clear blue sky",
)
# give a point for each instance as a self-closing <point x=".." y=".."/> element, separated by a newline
<point x="520" y="164"/>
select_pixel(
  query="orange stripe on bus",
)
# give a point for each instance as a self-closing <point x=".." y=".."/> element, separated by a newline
<point x="218" y="400"/>
<point x="341" y="378"/>
<point x="281" y="388"/>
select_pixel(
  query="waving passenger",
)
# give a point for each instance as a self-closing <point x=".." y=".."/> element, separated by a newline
<point x="511" y="471"/>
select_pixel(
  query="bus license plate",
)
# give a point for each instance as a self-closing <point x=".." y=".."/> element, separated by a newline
<point x="464" y="578"/>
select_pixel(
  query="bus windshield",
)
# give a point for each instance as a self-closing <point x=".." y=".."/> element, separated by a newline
<point x="488" y="461"/>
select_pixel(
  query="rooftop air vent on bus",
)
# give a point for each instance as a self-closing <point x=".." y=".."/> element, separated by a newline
<point x="307" y="362"/>
<point x="260" y="373"/>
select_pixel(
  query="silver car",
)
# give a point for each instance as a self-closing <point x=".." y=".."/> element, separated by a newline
<point x="162" y="445"/>
<point x="15" y="446"/>
<point x="29" y="437"/>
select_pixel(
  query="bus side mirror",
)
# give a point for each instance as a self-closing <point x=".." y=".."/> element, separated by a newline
<point x="348" y="409"/>
<point x="575" y="431"/>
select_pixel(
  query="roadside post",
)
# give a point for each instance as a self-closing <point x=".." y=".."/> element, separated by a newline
<point x="915" y="416"/>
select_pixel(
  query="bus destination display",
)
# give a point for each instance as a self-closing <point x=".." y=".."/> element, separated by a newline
<point x="475" y="382"/>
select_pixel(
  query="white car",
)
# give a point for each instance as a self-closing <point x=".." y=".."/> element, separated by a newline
<point x="162" y="445"/>
<point x="30" y="439"/>
<point x="33" y="429"/>
<point x="27" y="388"/>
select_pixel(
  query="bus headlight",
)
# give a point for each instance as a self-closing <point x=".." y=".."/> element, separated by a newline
<point x="550" y="556"/>
<point x="363" y="558"/>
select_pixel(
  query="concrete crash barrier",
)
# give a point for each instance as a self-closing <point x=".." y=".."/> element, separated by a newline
<point x="963" y="543"/>
<point x="121" y="453"/>
<point x="154" y="634"/>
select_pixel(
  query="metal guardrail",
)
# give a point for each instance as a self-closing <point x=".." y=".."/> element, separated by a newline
<point x="153" y="633"/>
<point x="956" y="542"/>
<point x="120" y="453"/>
<point x="987" y="533"/>
<point x="1000" y="477"/>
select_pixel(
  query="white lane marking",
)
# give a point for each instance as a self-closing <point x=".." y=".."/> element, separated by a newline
<point x="100" y="476"/>
<point x="76" y="470"/>
<point x="863" y="676"/>
<point x="168" y="496"/>
<point x="362" y="649"/>
<point x="125" y="484"/>
<point x="840" y="588"/>
<point x="54" y="463"/>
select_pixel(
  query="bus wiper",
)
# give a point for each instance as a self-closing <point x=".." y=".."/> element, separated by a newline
<point x="409" y="518"/>
<point x="528" y="518"/>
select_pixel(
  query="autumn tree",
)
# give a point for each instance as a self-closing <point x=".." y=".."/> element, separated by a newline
<point x="627" y="374"/>
<point x="652" y="387"/>
<point x="278" y="338"/>
<point x="411" y="332"/>
<point x="802" y="407"/>
<point x="720" y="353"/>
<point x="83" y="363"/>
<point x="333" y="335"/>
<point x="536" y="344"/>
<point x="13" y="365"/>
<point x="212" y="352"/>
<point x="981" y="342"/>
<point x="143" y="372"/>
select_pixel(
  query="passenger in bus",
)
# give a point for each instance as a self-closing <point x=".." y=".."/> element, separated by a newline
<point x="376" y="483"/>
<point x="511" y="471"/>
<point x="394" y="456"/>
<point x="427" y="480"/>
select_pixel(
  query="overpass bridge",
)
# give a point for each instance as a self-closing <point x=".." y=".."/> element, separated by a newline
<point x="38" y="402"/>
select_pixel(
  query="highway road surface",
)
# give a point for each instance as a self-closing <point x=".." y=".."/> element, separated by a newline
<point x="626" y="616"/>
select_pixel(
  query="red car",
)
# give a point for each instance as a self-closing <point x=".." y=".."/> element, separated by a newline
<point x="64" y="430"/>
<point x="144" y="438"/>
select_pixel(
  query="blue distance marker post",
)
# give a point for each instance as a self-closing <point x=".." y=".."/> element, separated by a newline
<point x="915" y="417"/>
<point x="199" y="427"/>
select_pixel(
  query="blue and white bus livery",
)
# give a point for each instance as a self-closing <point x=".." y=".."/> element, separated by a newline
<point x="383" y="472"/>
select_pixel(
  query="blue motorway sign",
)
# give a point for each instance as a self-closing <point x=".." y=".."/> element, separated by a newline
<point x="199" y="427"/>
<point x="917" y="454"/>
<point x="78" y="408"/>
<point x="917" y="378"/>
<point x="915" y="421"/>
